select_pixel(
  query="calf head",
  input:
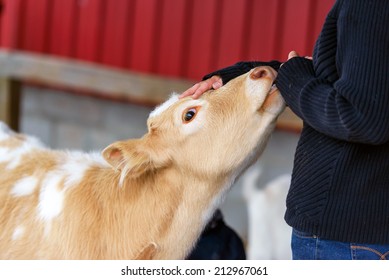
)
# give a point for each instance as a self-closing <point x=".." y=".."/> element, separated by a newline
<point x="222" y="132"/>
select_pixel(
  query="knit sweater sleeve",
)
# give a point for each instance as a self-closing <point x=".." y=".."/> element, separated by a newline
<point x="352" y="102"/>
<point x="240" y="68"/>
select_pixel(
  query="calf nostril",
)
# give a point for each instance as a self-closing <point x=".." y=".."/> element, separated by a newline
<point x="259" y="73"/>
<point x="262" y="73"/>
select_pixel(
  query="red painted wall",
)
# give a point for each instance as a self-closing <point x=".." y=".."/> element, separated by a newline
<point x="179" y="38"/>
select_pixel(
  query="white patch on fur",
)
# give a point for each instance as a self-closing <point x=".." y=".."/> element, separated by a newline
<point x="50" y="197"/>
<point x="5" y="131"/>
<point x="33" y="142"/>
<point x="13" y="156"/>
<point x="71" y="172"/>
<point x="75" y="167"/>
<point x="164" y="106"/>
<point x="96" y="159"/>
<point x="123" y="175"/>
<point x="256" y="91"/>
<point x="18" y="232"/>
<point x="16" y="155"/>
<point x="4" y="154"/>
<point x="24" y="186"/>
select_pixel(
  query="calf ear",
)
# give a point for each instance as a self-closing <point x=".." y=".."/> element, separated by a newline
<point x="128" y="157"/>
<point x="147" y="252"/>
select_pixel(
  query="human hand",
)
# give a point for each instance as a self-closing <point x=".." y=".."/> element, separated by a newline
<point x="199" y="88"/>
<point x="295" y="54"/>
<point x="292" y="54"/>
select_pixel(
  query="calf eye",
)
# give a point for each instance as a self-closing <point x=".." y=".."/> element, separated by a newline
<point x="189" y="115"/>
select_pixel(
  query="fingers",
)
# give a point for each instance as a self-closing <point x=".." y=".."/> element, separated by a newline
<point x="203" y="87"/>
<point x="292" y="54"/>
<point x="189" y="91"/>
<point x="198" y="89"/>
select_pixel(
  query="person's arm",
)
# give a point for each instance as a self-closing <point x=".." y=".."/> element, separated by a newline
<point x="240" y="68"/>
<point x="347" y="99"/>
<point x="220" y="77"/>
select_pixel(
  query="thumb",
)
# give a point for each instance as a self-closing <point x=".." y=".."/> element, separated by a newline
<point x="292" y="54"/>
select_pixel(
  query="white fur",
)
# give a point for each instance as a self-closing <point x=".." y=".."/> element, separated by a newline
<point x="4" y="154"/>
<point x="96" y="159"/>
<point x="25" y="186"/>
<point x="252" y="89"/>
<point x="68" y="173"/>
<point x="16" y="155"/>
<point x="50" y="197"/>
<point x="75" y="167"/>
<point x="268" y="234"/>
<point x="164" y="106"/>
<point x="5" y="131"/>
<point x="13" y="156"/>
<point x="18" y="232"/>
<point x="33" y="142"/>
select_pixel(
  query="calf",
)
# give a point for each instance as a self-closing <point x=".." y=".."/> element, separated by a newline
<point x="146" y="198"/>
<point x="268" y="233"/>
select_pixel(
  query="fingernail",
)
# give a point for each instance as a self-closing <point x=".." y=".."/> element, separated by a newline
<point x="216" y="85"/>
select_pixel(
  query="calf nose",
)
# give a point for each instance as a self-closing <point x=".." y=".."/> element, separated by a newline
<point x="263" y="72"/>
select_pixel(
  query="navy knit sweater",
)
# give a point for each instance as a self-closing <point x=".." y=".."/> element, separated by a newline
<point x="340" y="180"/>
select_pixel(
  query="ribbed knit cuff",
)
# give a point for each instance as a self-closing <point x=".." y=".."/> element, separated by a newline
<point x="292" y="77"/>
<point x="231" y="72"/>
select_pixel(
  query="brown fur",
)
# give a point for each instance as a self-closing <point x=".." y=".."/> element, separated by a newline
<point x="156" y="194"/>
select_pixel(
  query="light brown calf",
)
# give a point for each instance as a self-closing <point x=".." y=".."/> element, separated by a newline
<point x="145" y="198"/>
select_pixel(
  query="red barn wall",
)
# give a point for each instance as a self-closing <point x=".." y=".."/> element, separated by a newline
<point x="176" y="38"/>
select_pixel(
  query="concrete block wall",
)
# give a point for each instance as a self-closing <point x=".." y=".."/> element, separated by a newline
<point x="66" y="121"/>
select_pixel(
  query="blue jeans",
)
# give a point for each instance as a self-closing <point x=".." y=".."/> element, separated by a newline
<point x="308" y="247"/>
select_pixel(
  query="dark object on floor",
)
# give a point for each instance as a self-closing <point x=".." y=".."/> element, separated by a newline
<point x="218" y="242"/>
